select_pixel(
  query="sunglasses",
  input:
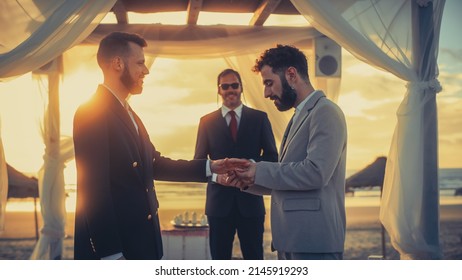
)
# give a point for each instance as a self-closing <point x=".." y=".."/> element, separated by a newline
<point x="226" y="86"/>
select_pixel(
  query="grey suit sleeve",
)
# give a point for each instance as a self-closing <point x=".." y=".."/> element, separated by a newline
<point x="325" y="146"/>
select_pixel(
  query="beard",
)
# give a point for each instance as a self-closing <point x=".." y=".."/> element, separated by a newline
<point x="130" y="83"/>
<point x="288" y="96"/>
<point x="231" y="99"/>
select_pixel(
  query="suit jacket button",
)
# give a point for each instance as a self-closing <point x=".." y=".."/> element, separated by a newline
<point x="135" y="164"/>
<point x="147" y="190"/>
<point x="149" y="217"/>
<point x="153" y="160"/>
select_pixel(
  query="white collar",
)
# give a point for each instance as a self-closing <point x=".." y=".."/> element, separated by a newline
<point x="302" y="104"/>
<point x="238" y="110"/>
<point x="124" y="103"/>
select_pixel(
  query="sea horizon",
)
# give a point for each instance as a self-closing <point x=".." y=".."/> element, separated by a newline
<point x="180" y="195"/>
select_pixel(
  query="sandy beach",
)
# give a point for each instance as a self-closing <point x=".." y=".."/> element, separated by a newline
<point x="363" y="237"/>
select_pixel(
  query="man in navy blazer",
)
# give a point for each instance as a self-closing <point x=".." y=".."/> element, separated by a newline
<point x="116" y="214"/>
<point x="228" y="209"/>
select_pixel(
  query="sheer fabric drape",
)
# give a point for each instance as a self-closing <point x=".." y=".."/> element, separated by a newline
<point x="3" y="183"/>
<point x="52" y="194"/>
<point x="33" y="33"/>
<point x="386" y="35"/>
<point x="36" y="31"/>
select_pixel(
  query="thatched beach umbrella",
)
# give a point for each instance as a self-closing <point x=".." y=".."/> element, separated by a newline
<point x="370" y="176"/>
<point x="22" y="186"/>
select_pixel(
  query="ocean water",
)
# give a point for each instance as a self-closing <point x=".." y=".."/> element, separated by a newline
<point x="172" y="195"/>
<point x="449" y="180"/>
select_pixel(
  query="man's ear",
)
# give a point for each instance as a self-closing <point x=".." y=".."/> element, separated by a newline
<point x="117" y="63"/>
<point x="291" y="74"/>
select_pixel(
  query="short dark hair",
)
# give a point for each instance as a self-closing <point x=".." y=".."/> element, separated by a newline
<point x="116" y="43"/>
<point x="229" y="71"/>
<point x="281" y="58"/>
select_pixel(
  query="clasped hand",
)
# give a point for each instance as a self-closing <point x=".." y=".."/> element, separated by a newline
<point x="240" y="173"/>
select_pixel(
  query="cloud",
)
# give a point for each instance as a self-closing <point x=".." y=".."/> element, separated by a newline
<point x="449" y="117"/>
<point x="178" y="145"/>
<point x="451" y="84"/>
<point x="454" y="55"/>
<point x="371" y="83"/>
<point x="354" y="104"/>
<point x="195" y="77"/>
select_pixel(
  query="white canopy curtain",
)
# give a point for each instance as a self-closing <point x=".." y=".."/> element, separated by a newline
<point x="3" y="183"/>
<point x="33" y="33"/>
<point x="52" y="195"/>
<point x="400" y="36"/>
<point x="36" y="31"/>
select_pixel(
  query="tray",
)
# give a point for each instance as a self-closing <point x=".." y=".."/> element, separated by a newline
<point x="189" y="225"/>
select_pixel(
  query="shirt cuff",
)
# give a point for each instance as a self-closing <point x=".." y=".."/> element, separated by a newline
<point x="113" y="257"/>
<point x="214" y="177"/>
<point x="208" y="170"/>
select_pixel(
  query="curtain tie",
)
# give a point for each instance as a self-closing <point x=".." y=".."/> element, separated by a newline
<point x="424" y="85"/>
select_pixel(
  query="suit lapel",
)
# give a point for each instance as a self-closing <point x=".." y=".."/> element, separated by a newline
<point x="144" y="144"/>
<point x="222" y="126"/>
<point x="301" y="118"/>
<point x="147" y="165"/>
<point x="122" y="116"/>
<point x="286" y="135"/>
<point x="120" y="112"/>
<point x="244" y="122"/>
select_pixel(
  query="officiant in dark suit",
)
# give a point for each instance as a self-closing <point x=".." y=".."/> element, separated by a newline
<point x="235" y="131"/>
<point x="116" y="215"/>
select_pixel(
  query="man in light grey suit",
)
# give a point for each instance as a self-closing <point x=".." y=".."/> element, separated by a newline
<point x="307" y="184"/>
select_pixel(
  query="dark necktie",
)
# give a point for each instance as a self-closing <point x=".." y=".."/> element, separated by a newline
<point x="233" y="125"/>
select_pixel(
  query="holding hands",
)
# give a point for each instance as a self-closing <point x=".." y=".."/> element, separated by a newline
<point x="241" y="176"/>
<point x="227" y="165"/>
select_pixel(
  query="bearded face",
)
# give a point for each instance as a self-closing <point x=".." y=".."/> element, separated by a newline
<point x="287" y="98"/>
<point x="134" y="85"/>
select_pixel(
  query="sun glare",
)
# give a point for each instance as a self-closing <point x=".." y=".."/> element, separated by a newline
<point x="207" y="18"/>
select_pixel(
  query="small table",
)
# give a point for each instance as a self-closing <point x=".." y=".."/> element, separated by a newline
<point x="185" y="242"/>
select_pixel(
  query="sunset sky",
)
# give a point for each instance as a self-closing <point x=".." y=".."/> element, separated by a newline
<point x="177" y="93"/>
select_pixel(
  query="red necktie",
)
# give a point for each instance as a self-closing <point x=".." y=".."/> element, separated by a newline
<point x="233" y="125"/>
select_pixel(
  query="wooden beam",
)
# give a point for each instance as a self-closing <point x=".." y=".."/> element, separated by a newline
<point x="264" y="11"/>
<point x="162" y="32"/>
<point x="120" y="12"/>
<point x="194" y="8"/>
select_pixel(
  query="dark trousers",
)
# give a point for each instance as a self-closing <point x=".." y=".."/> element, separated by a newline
<point x="249" y="231"/>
